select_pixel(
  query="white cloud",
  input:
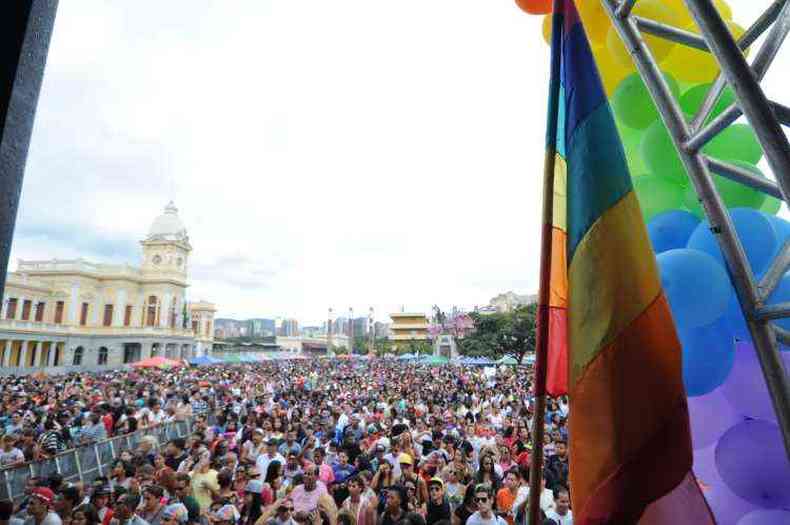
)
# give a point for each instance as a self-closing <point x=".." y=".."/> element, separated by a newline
<point x="321" y="153"/>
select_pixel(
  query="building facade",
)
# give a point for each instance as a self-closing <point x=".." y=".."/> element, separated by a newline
<point x="408" y="327"/>
<point x="74" y="313"/>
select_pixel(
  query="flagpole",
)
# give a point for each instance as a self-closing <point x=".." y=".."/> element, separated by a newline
<point x="542" y="336"/>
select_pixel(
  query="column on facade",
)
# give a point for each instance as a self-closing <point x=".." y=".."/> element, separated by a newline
<point x="20" y="305"/>
<point x="74" y="306"/>
<point x="139" y="316"/>
<point x="53" y="345"/>
<point x="177" y="305"/>
<point x="5" y="348"/>
<point x="97" y="317"/>
<point x="120" y="307"/>
<point x="164" y="311"/>
<point x="23" y="354"/>
<point x="145" y="350"/>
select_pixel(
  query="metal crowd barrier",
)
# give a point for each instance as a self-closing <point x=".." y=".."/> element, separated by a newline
<point x="87" y="462"/>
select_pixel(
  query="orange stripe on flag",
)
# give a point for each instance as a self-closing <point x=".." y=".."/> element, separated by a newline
<point x="630" y="404"/>
<point x="558" y="281"/>
<point x="557" y="358"/>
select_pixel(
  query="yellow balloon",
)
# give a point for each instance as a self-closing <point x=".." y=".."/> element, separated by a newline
<point x="692" y="65"/>
<point x="659" y="47"/>
<point x="612" y="71"/>
<point x="547" y="22"/>
<point x="595" y="20"/>
<point x="684" y="16"/>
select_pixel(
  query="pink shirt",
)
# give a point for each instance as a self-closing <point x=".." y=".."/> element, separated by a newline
<point x="306" y="501"/>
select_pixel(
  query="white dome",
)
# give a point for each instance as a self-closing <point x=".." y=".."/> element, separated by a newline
<point x="168" y="226"/>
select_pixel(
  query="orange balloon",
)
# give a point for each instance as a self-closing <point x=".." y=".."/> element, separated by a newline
<point x="535" y="7"/>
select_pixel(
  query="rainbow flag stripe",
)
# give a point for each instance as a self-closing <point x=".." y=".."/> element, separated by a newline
<point x="612" y="342"/>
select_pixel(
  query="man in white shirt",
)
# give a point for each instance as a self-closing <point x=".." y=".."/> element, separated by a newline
<point x="484" y="497"/>
<point x="267" y="457"/>
<point x="561" y="514"/>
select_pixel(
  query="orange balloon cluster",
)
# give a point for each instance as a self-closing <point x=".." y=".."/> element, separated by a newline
<point x="535" y="7"/>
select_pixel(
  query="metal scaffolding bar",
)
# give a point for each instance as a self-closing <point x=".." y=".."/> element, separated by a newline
<point x="744" y="176"/>
<point x="775" y="272"/>
<point x="758" y="111"/>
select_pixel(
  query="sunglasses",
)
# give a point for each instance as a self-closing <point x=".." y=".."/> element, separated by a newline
<point x="481" y="500"/>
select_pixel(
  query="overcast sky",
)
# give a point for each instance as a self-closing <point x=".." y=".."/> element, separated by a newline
<point x="322" y="154"/>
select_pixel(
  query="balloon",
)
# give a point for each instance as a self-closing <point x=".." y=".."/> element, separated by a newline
<point x="632" y="103"/>
<point x="755" y="232"/>
<point x="710" y="416"/>
<point x="596" y="21"/>
<point x="547" y="27"/>
<point x="761" y="517"/>
<point x="708" y="357"/>
<point x="696" y="286"/>
<point x="671" y="230"/>
<point x="612" y="72"/>
<point x="751" y="460"/>
<point x="780" y="295"/>
<point x="735" y="320"/>
<point x="726" y="506"/>
<point x="745" y="387"/>
<point x="680" y="7"/>
<point x="771" y="205"/>
<point x="781" y="227"/>
<point x="692" y="99"/>
<point x="734" y="194"/>
<point x="736" y="142"/>
<point x="631" y="138"/>
<point x="657" y="194"/>
<point x="535" y="7"/>
<point x="659" y="47"/>
<point x="694" y="65"/>
<point x="660" y="156"/>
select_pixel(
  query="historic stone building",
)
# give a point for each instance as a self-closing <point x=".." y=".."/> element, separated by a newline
<point x="74" y="313"/>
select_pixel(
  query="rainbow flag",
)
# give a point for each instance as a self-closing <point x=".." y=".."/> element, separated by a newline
<point x="611" y="344"/>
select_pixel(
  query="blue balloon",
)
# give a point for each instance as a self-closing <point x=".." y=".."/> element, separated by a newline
<point x="697" y="287"/>
<point x="671" y="230"/>
<point x="755" y="230"/>
<point x="735" y="320"/>
<point x="708" y="356"/>
<point x="781" y="295"/>
<point x="781" y="227"/>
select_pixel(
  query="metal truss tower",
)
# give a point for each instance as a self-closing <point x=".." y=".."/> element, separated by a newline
<point x="766" y="118"/>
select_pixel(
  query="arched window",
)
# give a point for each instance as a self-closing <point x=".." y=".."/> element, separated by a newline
<point x="151" y="311"/>
<point x="78" y="356"/>
<point x="102" y="359"/>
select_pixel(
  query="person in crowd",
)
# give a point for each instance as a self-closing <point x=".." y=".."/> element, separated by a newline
<point x="485" y="515"/>
<point x="561" y="514"/>
<point x="152" y="505"/>
<point x="125" y="511"/>
<point x="10" y="455"/>
<point x="40" y="508"/>
<point x="438" y="507"/>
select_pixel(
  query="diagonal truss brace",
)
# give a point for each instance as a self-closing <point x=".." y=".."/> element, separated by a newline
<point x="765" y="117"/>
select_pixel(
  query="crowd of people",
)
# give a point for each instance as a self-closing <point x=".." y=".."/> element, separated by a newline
<point x="310" y="442"/>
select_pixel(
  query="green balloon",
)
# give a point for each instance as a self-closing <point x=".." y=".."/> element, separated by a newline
<point x="736" y="142"/>
<point x="632" y="103"/>
<point x="657" y="194"/>
<point x="631" y="139"/>
<point x="734" y="194"/>
<point x="771" y="205"/>
<point x="692" y="100"/>
<point x="660" y="155"/>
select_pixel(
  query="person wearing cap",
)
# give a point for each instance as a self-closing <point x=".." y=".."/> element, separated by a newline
<point x="437" y="508"/>
<point x="408" y="475"/>
<point x="39" y="508"/>
<point x="100" y="499"/>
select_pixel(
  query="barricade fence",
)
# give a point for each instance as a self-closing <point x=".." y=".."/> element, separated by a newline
<point x="87" y="462"/>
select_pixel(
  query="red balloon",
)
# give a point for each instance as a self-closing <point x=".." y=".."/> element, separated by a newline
<point x="535" y="7"/>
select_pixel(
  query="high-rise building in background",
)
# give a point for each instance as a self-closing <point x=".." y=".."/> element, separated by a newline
<point x="381" y="329"/>
<point x="360" y="327"/>
<point x="289" y="328"/>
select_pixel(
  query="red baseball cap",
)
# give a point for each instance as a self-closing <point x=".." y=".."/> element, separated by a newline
<point x="44" y="494"/>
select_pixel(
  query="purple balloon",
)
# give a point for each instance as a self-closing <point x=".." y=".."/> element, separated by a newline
<point x="763" y="517"/>
<point x="745" y="386"/>
<point x="710" y="415"/>
<point x="726" y="506"/>
<point x="750" y="458"/>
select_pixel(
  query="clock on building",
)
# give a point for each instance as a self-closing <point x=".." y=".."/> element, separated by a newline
<point x="157" y="259"/>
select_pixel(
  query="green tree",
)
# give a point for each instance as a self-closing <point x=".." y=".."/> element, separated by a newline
<point x="501" y="334"/>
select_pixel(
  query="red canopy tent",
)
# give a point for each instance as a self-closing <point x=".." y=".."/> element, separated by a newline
<point x="157" y="362"/>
